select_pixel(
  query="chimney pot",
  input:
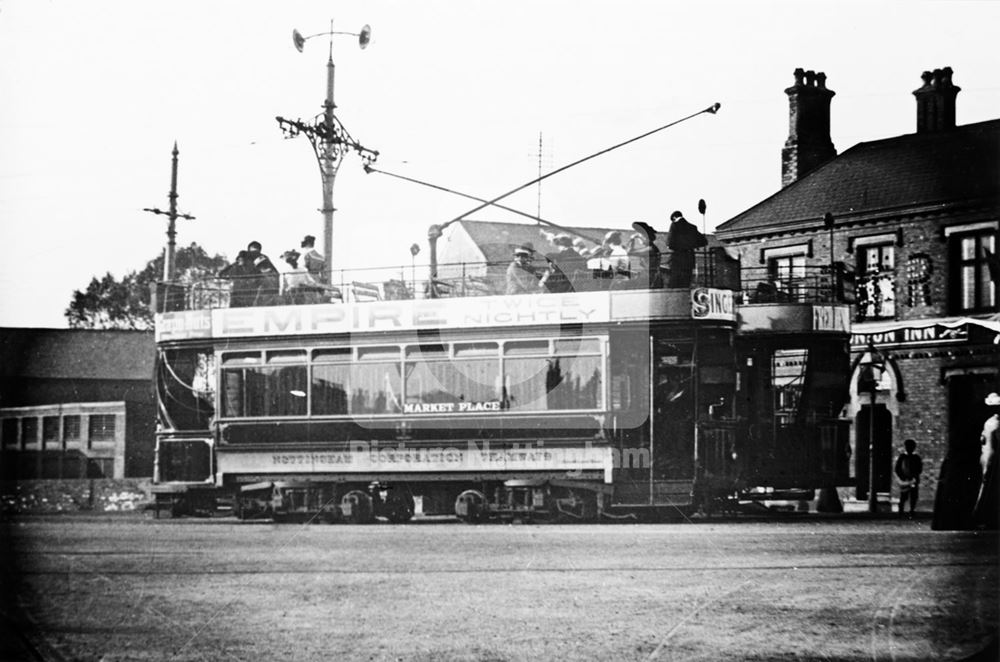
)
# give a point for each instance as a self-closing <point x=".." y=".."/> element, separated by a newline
<point x="936" y="101"/>
<point x="808" y="144"/>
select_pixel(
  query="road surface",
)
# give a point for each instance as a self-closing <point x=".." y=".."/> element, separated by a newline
<point x="132" y="588"/>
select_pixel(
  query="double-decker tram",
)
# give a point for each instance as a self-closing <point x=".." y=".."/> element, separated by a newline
<point x="606" y="402"/>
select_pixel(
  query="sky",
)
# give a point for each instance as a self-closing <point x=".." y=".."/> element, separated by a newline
<point x="455" y="93"/>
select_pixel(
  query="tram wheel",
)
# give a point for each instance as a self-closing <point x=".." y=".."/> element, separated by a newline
<point x="470" y="507"/>
<point x="398" y="507"/>
<point x="359" y="506"/>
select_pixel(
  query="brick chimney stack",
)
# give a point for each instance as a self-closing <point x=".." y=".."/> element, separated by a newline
<point x="808" y="143"/>
<point x="936" y="101"/>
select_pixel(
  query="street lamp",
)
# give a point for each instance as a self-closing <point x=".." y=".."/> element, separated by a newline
<point x="871" y="368"/>
<point x="329" y="139"/>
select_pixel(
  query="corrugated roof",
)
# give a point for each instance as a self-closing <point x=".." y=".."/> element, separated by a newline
<point x="76" y="354"/>
<point x="911" y="171"/>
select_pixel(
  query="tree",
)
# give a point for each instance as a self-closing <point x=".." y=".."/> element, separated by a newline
<point x="108" y="303"/>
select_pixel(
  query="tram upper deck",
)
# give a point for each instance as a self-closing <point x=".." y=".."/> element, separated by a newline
<point x="473" y="291"/>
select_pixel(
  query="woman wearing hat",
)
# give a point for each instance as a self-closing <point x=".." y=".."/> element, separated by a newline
<point x="312" y="260"/>
<point x="244" y="277"/>
<point x="521" y="275"/>
<point x="564" y="265"/>
<point x="647" y="257"/>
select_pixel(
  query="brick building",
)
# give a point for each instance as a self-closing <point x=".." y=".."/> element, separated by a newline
<point x="76" y="404"/>
<point x="913" y="222"/>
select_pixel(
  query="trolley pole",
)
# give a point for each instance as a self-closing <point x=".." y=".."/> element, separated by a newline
<point x="169" y="270"/>
<point x="329" y="139"/>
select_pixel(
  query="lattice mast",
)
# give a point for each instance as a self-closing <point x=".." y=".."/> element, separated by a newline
<point x="329" y="139"/>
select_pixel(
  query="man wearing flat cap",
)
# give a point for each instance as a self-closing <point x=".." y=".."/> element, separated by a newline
<point x="521" y="275"/>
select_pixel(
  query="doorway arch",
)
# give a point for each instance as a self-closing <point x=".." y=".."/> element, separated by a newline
<point x="888" y="394"/>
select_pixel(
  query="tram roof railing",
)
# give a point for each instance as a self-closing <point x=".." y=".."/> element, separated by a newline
<point x="713" y="268"/>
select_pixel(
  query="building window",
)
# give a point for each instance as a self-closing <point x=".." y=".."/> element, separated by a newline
<point x="875" y="294"/>
<point x="29" y="431"/>
<point x="102" y="427"/>
<point x="786" y="275"/>
<point x="50" y="431"/>
<point x="9" y="432"/>
<point x="71" y="428"/>
<point x="973" y="291"/>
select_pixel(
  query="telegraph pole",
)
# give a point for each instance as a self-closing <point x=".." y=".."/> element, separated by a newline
<point x="172" y="215"/>
<point x="329" y="139"/>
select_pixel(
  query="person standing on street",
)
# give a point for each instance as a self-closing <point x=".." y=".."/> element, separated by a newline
<point x="985" y="512"/>
<point x="909" y="466"/>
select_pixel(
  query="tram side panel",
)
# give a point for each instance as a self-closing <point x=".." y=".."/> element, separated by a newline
<point x="407" y="415"/>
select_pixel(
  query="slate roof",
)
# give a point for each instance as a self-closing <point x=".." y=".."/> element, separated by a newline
<point x="909" y="172"/>
<point x="76" y="354"/>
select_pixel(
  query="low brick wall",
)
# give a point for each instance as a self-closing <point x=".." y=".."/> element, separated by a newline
<point x="53" y="496"/>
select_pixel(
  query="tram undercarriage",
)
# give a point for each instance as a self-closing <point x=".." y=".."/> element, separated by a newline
<point x="521" y="500"/>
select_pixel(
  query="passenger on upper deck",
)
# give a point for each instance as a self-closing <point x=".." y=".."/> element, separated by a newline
<point x="244" y="278"/>
<point x="312" y="260"/>
<point x="521" y="275"/>
<point x="564" y="266"/>
<point x="268" y="278"/>
<point x="646" y="257"/>
<point x="682" y="239"/>
<point x="298" y="285"/>
<point x="611" y="259"/>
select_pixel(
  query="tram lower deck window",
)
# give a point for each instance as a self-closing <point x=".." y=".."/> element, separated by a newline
<point x="564" y="382"/>
<point x="264" y="391"/>
<point x="362" y="388"/>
